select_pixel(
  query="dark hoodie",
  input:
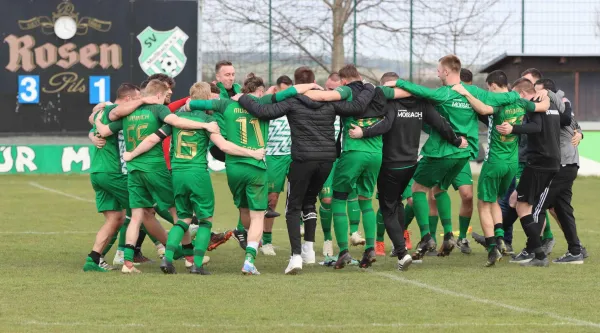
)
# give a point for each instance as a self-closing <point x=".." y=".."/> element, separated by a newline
<point x="311" y="123"/>
<point x="401" y="129"/>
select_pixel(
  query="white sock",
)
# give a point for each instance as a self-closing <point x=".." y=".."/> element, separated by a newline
<point x="308" y="246"/>
<point x="253" y="245"/>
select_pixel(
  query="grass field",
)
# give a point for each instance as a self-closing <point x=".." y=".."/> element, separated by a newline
<point x="49" y="222"/>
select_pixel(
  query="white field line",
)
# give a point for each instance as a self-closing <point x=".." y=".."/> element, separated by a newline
<point x="486" y="301"/>
<point x="301" y="325"/>
<point x="36" y="185"/>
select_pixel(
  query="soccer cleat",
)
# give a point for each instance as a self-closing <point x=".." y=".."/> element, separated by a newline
<point x="270" y="213"/>
<point x="167" y="267"/>
<point x="356" y="239"/>
<point x="91" y="266"/>
<point x="405" y="262"/>
<point x="105" y="265"/>
<point x="295" y="265"/>
<point x="380" y="248"/>
<point x="501" y="246"/>
<point x="407" y="239"/>
<point x="139" y="258"/>
<point x="448" y="245"/>
<point x="369" y="257"/>
<point x="548" y="245"/>
<point x="308" y="255"/>
<point x="217" y="239"/>
<point x="199" y="270"/>
<point x="431" y="253"/>
<point x="128" y="270"/>
<point x="423" y="247"/>
<point x="493" y="256"/>
<point x="464" y="246"/>
<point x="522" y="257"/>
<point x="479" y="239"/>
<point x="240" y="237"/>
<point x="344" y="259"/>
<point x="160" y="250"/>
<point x="268" y="250"/>
<point x="509" y="249"/>
<point x="569" y="258"/>
<point x="193" y="230"/>
<point x="249" y="269"/>
<point x="536" y="263"/>
<point x="328" y="248"/>
<point x="584" y="252"/>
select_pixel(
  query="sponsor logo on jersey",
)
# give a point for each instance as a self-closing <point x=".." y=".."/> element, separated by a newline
<point x="457" y="103"/>
<point x="162" y="51"/>
<point x="408" y="114"/>
<point x="552" y="113"/>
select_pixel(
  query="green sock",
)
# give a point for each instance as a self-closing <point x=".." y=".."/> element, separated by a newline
<point x="175" y="236"/>
<point x="123" y="233"/>
<point x="498" y="230"/>
<point x="353" y="212"/>
<point x="326" y="219"/>
<point x="369" y="222"/>
<point x="240" y="226"/>
<point x="250" y="254"/>
<point x="128" y="253"/>
<point x="165" y="214"/>
<point x="188" y="250"/>
<point x="267" y="238"/>
<point x="444" y="207"/>
<point x="547" y="231"/>
<point x="380" y="227"/>
<point x="433" y="223"/>
<point x="409" y="215"/>
<point x="421" y="209"/>
<point x="340" y="223"/>
<point x="108" y="246"/>
<point x="178" y="253"/>
<point x="201" y="241"/>
<point x="463" y="225"/>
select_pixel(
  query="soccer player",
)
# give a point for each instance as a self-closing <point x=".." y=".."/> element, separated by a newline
<point x="357" y="168"/>
<point x="501" y="162"/>
<point x="313" y="153"/>
<point x="401" y="129"/>
<point x="149" y="180"/>
<point x="110" y="185"/>
<point x="278" y="161"/>
<point x="442" y="161"/>
<point x="246" y="177"/>
<point x="191" y="179"/>
<point x="543" y="162"/>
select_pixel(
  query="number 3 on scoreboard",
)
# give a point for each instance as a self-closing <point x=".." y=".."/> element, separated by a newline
<point x="29" y="89"/>
<point x="99" y="89"/>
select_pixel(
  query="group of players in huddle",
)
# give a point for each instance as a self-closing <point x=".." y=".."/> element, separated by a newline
<point x="374" y="131"/>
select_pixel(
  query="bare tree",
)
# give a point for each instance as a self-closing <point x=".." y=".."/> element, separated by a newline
<point x="318" y="29"/>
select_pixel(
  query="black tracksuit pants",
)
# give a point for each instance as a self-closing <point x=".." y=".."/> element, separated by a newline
<point x="390" y="185"/>
<point x="305" y="181"/>
<point x="559" y="197"/>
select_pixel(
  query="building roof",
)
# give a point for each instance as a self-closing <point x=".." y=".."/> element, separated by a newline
<point x="506" y="57"/>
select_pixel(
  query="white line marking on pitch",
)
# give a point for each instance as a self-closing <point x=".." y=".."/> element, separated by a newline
<point x="486" y="301"/>
<point x="302" y="325"/>
<point x="47" y="232"/>
<point x="36" y="185"/>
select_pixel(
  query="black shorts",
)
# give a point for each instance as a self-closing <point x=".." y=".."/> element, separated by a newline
<point x="533" y="188"/>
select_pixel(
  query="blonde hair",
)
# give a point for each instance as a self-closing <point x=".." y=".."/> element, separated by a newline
<point x="451" y="62"/>
<point x="155" y="87"/>
<point x="200" y="90"/>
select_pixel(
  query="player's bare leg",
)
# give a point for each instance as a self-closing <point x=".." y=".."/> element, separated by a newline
<point x="113" y="221"/>
<point x="464" y="217"/>
<point x="255" y="231"/>
<point x="137" y="216"/>
<point x="267" y="238"/>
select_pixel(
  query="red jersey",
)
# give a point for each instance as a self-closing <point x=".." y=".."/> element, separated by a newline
<point x="173" y="106"/>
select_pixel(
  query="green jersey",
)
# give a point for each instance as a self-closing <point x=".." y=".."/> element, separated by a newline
<point x="189" y="147"/>
<point x="144" y="121"/>
<point x="108" y="158"/>
<point x="505" y="148"/>
<point x="225" y="94"/>
<point x="242" y="128"/>
<point x="456" y="109"/>
<point x="373" y="144"/>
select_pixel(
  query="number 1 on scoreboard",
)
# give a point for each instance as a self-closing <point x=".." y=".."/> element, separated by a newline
<point x="99" y="89"/>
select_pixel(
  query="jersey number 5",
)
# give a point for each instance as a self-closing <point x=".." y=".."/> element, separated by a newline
<point x="134" y="134"/>
<point x="191" y="145"/>
<point x="244" y="130"/>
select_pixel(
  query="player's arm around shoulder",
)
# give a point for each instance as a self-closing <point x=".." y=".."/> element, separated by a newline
<point x="149" y="142"/>
<point x="476" y="104"/>
<point x="165" y="115"/>
<point x="232" y="149"/>
<point x="340" y="93"/>
<point x="264" y="111"/>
